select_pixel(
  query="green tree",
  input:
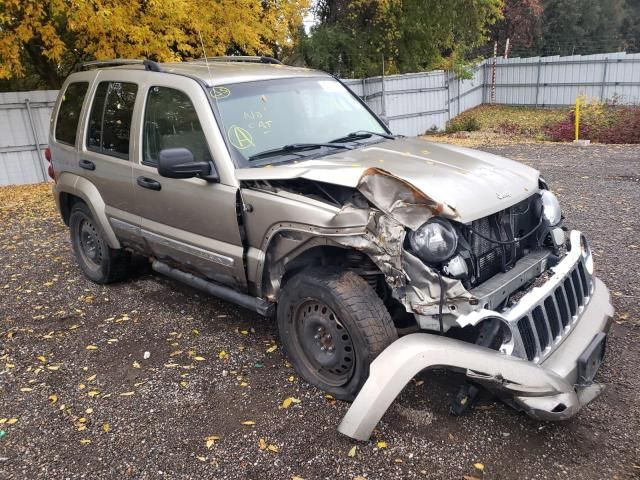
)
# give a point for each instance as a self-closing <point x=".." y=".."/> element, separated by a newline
<point x="352" y="38"/>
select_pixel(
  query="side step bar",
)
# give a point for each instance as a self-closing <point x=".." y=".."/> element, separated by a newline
<point x="255" y="304"/>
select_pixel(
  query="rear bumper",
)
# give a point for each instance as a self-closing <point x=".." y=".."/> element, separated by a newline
<point x="549" y="390"/>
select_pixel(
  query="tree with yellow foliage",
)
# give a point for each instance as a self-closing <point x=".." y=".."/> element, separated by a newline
<point x="49" y="38"/>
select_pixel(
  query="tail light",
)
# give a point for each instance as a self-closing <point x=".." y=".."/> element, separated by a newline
<point x="47" y="155"/>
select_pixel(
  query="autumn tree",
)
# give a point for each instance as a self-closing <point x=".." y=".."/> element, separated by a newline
<point x="49" y="38"/>
<point x="522" y="24"/>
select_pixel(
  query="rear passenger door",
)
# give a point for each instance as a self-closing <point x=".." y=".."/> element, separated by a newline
<point x="105" y="158"/>
<point x="189" y="221"/>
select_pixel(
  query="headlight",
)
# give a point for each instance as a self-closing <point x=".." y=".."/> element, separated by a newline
<point x="550" y="208"/>
<point x="586" y="254"/>
<point x="435" y="241"/>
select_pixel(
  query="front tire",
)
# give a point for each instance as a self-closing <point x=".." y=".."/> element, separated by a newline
<point x="96" y="259"/>
<point x="332" y="325"/>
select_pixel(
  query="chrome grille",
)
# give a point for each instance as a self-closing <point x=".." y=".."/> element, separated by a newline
<point x="552" y="318"/>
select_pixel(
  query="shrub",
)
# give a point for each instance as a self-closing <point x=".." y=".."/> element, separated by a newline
<point x="463" y="123"/>
<point x="600" y="122"/>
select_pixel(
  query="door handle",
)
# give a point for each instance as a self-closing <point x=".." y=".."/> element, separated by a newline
<point x="149" y="183"/>
<point x="87" y="164"/>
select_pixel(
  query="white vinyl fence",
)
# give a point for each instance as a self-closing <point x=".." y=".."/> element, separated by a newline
<point x="24" y="128"/>
<point x="416" y="102"/>
<point x="412" y="103"/>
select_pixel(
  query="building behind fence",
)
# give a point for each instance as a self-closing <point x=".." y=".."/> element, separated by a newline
<point x="412" y="103"/>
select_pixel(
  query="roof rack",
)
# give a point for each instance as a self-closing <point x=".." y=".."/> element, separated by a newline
<point x="239" y="58"/>
<point x="148" y="64"/>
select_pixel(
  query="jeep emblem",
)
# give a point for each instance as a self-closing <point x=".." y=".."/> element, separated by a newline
<point x="503" y="195"/>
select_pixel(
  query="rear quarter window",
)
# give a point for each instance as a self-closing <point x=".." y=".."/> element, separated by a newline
<point x="110" y="118"/>
<point x="69" y="112"/>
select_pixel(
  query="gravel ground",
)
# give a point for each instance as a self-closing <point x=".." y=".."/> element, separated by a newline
<point x="80" y="397"/>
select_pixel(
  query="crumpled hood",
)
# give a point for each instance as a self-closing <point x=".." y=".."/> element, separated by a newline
<point x="469" y="183"/>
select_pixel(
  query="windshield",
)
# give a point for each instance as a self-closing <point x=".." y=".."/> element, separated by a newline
<point x="270" y="114"/>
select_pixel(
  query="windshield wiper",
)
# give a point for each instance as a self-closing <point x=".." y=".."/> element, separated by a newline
<point x="362" y="134"/>
<point x="296" y="147"/>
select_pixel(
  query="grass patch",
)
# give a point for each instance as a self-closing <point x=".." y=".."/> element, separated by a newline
<point x="508" y="120"/>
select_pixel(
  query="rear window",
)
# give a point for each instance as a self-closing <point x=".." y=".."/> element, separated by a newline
<point x="69" y="112"/>
<point x="110" y="118"/>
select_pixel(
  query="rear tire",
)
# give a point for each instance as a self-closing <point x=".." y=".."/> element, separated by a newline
<point x="332" y="325"/>
<point x="96" y="259"/>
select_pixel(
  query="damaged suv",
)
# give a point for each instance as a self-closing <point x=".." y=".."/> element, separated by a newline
<point x="278" y="189"/>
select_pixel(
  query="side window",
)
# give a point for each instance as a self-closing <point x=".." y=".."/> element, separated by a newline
<point x="110" y="118"/>
<point x="69" y="112"/>
<point x="171" y="121"/>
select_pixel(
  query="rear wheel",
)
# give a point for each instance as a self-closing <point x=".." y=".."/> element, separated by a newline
<point x="96" y="259"/>
<point x="333" y="325"/>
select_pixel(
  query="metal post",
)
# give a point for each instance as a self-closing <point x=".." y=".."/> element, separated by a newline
<point x="485" y="82"/>
<point x="604" y="78"/>
<point x="494" y="74"/>
<point x="384" y="101"/>
<point x="459" y="95"/>
<point x="538" y="79"/>
<point x="448" y="86"/>
<point x="364" y="89"/>
<point x="36" y="139"/>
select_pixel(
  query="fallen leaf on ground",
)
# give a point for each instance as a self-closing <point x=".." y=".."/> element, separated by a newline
<point x="222" y="355"/>
<point x="93" y="393"/>
<point x="85" y="441"/>
<point x="53" y="398"/>
<point x="12" y="421"/>
<point x="42" y="358"/>
<point x="352" y="452"/>
<point x="210" y="440"/>
<point x="479" y="466"/>
<point x="288" y="401"/>
<point x="91" y="378"/>
<point x="26" y="389"/>
<point x="273" y="448"/>
<point x="127" y="394"/>
<point x="91" y="347"/>
<point x="106" y="427"/>
<point x="201" y="458"/>
<point x="199" y="359"/>
<point x="272" y="349"/>
<point x="262" y="444"/>
<point x="248" y="422"/>
<point x="136" y="364"/>
<point x="381" y="444"/>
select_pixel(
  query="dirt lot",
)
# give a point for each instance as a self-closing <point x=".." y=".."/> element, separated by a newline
<point x="79" y="398"/>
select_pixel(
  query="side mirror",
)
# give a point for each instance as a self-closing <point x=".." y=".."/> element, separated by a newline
<point x="179" y="163"/>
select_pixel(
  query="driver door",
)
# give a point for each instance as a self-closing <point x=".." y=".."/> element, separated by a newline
<point x="190" y="222"/>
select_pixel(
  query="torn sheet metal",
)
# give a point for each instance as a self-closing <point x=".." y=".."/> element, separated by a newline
<point x="400" y="199"/>
<point x="413" y="283"/>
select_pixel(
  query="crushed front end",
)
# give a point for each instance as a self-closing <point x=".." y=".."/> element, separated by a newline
<point x="510" y="299"/>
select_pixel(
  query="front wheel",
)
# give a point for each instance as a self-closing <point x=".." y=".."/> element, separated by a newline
<point x="332" y="325"/>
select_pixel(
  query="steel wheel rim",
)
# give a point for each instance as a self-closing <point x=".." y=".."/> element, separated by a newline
<point x="90" y="245"/>
<point x="324" y="342"/>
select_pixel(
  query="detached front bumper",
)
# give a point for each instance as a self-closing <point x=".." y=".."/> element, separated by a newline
<point x="551" y="387"/>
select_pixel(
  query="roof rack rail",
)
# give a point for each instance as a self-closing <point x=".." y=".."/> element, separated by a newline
<point x="148" y="64"/>
<point x="240" y="58"/>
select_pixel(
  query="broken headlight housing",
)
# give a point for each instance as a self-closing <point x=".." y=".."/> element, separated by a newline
<point x="434" y="241"/>
<point x="550" y="208"/>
